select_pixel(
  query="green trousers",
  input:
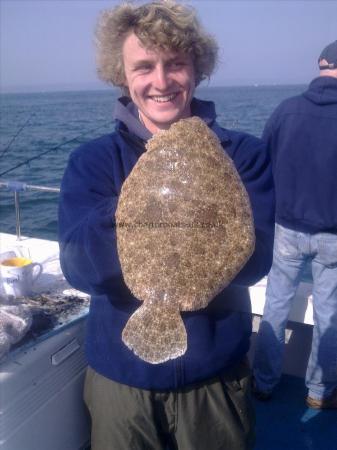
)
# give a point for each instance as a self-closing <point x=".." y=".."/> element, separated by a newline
<point x="217" y="414"/>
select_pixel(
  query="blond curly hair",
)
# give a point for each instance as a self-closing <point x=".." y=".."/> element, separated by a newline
<point x="164" y="25"/>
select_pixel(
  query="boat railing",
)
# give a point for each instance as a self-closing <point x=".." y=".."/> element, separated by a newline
<point x="17" y="187"/>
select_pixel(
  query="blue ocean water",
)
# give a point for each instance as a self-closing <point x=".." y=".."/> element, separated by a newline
<point x="60" y="121"/>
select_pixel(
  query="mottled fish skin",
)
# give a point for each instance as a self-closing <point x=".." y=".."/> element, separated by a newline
<point x="156" y="332"/>
<point x="184" y="230"/>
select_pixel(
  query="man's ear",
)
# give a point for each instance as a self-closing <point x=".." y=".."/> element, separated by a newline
<point x="125" y="90"/>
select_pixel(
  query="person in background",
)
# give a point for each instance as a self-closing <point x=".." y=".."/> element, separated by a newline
<point x="157" y="53"/>
<point x="301" y="136"/>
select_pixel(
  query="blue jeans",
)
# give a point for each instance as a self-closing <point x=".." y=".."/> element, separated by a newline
<point x="293" y="250"/>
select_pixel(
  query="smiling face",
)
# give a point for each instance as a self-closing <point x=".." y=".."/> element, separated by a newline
<point x="161" y="83"/>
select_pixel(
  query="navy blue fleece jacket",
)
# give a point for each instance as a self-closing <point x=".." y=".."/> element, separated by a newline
<point x="301" y="136"/>
<point x="217" y="336"/>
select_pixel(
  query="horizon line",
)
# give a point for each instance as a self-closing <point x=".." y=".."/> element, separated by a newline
<point x="59" y="89"/>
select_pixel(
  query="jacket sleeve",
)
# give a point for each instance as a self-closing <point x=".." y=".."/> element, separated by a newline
<point x="252" y="161"/>
<point x="87" y="228"/>
<point x="267" y="133"/>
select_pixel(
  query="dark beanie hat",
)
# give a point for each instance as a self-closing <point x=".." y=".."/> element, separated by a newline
<point x="330" y="55"/>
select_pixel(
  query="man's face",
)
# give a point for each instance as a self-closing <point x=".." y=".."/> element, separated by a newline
<point x="161" y="83"/>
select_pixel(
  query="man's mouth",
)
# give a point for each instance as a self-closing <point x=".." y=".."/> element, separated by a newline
<point x="164" y="98"/>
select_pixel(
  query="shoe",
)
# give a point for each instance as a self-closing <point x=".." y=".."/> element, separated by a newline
<point x="323" y="403"/>
<point x="263" y="396"/>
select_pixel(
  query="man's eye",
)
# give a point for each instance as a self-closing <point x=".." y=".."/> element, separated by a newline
<point x="177" y="64"/>
<point x="144" y="68"/>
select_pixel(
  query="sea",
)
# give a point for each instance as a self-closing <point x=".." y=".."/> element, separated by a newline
<point x="38" y="131"/>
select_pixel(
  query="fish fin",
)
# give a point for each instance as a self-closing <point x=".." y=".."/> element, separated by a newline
<point x="156" y="333"/>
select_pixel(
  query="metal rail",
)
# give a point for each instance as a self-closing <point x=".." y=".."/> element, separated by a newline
<point x="17" y="187"/>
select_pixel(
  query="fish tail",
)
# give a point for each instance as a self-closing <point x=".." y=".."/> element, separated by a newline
<point x="156" y="333"/>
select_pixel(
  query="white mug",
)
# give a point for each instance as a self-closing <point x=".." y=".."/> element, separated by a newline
<point x="18" y="275"/>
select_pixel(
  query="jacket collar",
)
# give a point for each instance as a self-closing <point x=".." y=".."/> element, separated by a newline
<point x="126" y="115"/>
<point x="322" y="91"/>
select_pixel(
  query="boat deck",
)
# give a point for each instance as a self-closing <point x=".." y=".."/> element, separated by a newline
<point x="284" y="422"/>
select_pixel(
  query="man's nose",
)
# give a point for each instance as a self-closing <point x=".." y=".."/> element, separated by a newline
<point x="162" y="78"/>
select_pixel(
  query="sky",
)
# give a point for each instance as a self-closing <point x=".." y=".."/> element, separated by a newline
<point x="49" y="44"/>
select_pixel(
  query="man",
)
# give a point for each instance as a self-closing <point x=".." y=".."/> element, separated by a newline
<point x="158" y="53"/>
<point x="302" y="138"/>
